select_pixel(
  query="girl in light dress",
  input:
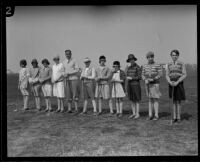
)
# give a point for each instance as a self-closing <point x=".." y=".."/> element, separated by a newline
<point x="45" y="80"/>
<point x="58" y="83"/>
<point x="118" y="90"/>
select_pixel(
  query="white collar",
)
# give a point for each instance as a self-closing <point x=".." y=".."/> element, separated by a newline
<point x="87" y="67"/>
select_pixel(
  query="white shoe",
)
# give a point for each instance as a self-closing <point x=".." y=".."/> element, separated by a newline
<point x="137" y="116"/>
<point x="132" y="116"/>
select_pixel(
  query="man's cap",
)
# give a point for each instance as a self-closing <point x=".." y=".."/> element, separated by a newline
<point x="87" y="59"/>
<point x="149" y="54"/>
<point x="56" y="57"/>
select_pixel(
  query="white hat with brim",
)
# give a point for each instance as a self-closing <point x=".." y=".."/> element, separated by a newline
<point x="87" y="60"/>
<point x="56" y="58"/>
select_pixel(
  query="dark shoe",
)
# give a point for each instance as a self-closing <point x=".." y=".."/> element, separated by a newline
<point x="117" y="114"/>
<point x="174" y="120"/>
<point x="99" y="113"/>
<point x="46" y="110"/>
<point x="39" y="109"/>
<point x="178" y="120"/>
<point x="150" y="118"/>
<point x="69" y="111"/>
<point x="95" y="113"/>
<point x="50" y="110"/>
<point x="76" y="112"/>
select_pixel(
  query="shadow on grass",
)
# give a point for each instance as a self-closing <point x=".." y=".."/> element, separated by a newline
<point x="185" y="116"/>
<point x="144" y="113"/>
<point x="164" y="114"/>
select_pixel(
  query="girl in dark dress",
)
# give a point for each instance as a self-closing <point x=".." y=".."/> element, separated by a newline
<point x="133" y="76"/>
<point x="175" y="74"/>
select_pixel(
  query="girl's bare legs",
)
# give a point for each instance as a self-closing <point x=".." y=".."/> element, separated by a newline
<point x="156" y="107"/>
<point x="150" y="107"/>
<point x="61" y="104"/>
<point x="117" y="106"/>
<point x="111" y="106"/>
<point x="94" y="105"/>
<point x="178" y="110"/>
<point x="137" y="110"/>
<point x="85" y="106"/>
<point x="25" y="99"/>
<point x="100" y="105"/>
<point x="49" y="103"/>
<point x="133" y="109"/>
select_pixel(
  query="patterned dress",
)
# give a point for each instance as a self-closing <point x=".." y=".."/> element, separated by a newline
<point x="174" y="72"/>
<point x="133" y="87"/>
<point x="23" y="81"/>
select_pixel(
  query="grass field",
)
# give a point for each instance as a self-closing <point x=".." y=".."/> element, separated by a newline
<point x="34" y="133"/>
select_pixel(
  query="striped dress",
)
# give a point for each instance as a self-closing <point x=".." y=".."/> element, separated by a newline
<point x="152" y="71"/>
<point x="174" y="72"/>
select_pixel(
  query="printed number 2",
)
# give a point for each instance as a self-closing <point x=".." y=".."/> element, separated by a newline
<point x="8" y="11"/>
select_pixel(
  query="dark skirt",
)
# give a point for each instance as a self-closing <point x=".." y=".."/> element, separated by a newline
<point x="179" y="92"/>
<point x="134" y="92"/>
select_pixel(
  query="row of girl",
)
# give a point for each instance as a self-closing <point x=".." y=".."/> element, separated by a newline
<point x="63" y="79"/>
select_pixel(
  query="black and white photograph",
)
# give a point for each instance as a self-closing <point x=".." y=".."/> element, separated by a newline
<point x="102" y="81"/>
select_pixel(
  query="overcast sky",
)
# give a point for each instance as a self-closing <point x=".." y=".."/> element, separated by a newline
<point x="89" y="31"/>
